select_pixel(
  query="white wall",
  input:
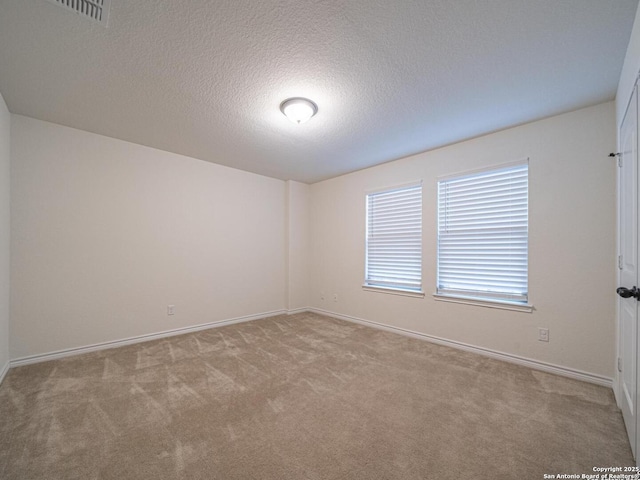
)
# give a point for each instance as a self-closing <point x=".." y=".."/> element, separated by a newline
<point x="572" y="246"/>
<point x="5" y="127"/>
<point x="106" y="234"/>
<point x="297" y="245"/>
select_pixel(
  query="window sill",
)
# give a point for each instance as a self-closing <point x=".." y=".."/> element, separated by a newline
<point x="393" y="291"/>
<point x="516" y="307"/>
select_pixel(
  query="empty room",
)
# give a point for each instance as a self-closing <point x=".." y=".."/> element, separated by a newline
<point x="319" y="240"/>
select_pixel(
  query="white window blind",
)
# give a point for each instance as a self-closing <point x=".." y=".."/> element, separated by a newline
<point x="394" y="239"/>
<point x="483" y="235"/>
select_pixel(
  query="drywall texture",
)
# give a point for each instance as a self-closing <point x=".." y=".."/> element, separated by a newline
<point x="205" y="78"/>
<point x="572" y="246"/>
<point x="630" y="70"/>
<point x="5" y="150"/>
<point x="107" y="234"/>
<point x="297" y="245"/>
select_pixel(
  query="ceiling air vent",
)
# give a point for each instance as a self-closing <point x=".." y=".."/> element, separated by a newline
<point x="96" y="10"/>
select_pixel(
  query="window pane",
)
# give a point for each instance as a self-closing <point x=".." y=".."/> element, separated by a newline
<point x="394" y="239"/>
<point x="483" y="234"/>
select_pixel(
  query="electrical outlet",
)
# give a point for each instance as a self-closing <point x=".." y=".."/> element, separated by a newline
<point x="543" y="334"/>
<point x="171" y="309"/>
<point x="335" y="297"/>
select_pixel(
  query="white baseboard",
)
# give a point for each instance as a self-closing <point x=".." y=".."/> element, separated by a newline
<point x="3" y="371"/>
<point x="298" y="310"/>
<point x="506" y="357"/>
<point x="44" y="357"/>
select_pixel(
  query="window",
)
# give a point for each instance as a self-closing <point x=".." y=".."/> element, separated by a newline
<point x="394" y="239"/>
<point x="483" y="235"/>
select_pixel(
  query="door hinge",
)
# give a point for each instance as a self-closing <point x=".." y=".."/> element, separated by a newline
<point x="619" y="155"/>
<point x="620" y="262"/>
<point x="619" y="364"/>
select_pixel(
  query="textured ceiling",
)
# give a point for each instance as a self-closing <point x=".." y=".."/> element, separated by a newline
<point x="205" y="78"/>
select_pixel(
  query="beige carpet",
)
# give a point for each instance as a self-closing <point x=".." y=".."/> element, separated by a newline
<point x="300" y="397"/>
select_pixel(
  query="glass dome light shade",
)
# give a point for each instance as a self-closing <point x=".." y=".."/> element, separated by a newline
<point x="298" y="110"/>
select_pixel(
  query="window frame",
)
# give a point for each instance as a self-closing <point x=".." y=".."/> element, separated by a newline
<point x="370" y="286"/>
<point x="478" y="299"/>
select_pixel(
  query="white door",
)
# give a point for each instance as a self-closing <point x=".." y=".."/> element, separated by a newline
<point x="628" y="263"/>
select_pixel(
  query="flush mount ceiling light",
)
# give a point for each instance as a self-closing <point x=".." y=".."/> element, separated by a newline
<point x="298" y="109"/>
